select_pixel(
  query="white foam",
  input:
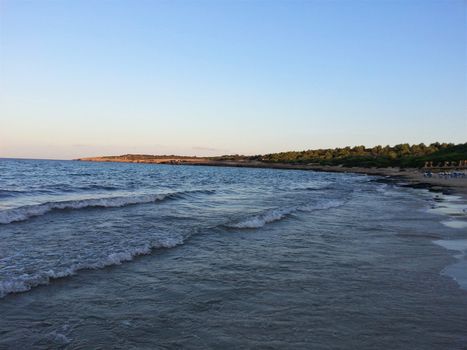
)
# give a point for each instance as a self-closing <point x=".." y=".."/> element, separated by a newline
<point x="459" y="245"/>
<point x="25" y="282"/>
<point x="272" y="215"/>
<point x="454" y="208"/>
<point x="262" y="219"/>
<point x="448" y="205"/>
<point x="458" y="224"/>
<point x="457" y="271"/>
<point x="450" y="209"/>
<point x="58" y="338"/>
<point x="25" y="212"/>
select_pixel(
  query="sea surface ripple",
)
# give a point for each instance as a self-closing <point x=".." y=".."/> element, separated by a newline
<point x="100" y="255"/>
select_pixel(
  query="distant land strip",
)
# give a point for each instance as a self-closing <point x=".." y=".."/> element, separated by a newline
<point x="435" y="155"/>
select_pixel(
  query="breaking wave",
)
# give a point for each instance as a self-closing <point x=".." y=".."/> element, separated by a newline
<point x="26" y="282"/>
<point x="263" y="219"/>
<point x="25" y="212"/>
<point x="277" y="214"/>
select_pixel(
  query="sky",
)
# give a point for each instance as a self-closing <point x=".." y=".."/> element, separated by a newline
<point x="86" y="78"/>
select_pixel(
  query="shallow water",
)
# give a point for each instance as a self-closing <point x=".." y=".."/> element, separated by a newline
<point x="102" y="255"/>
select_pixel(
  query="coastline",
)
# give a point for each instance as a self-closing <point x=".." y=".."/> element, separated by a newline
<point x="408" y="177"/>
<point x="304" y="235"/>
<point x="449" y="197"/>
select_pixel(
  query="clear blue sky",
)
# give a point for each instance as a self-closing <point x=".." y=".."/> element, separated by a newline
<point x="83" y="78"/>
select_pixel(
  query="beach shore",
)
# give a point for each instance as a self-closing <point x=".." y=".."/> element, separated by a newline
<point x="406" y="177"/>
<point x="409" y="177"/>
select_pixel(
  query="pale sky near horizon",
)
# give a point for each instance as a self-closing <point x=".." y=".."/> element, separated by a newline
<point x="85" y="78"/>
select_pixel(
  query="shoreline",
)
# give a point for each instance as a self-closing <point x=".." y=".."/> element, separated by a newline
<point x="408" y="177"/>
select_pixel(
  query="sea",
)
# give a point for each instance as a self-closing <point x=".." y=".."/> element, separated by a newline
<point x="146" y="256"/>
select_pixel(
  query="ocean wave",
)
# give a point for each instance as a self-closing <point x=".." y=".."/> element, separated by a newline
<point x="452" y="208"/>
<point x="314" y="188"/>
<point x="26" y="282"/>
<point x="459" y="245"/>
<point x="58" y="338"/>
<point x="90" y="187"/>
<point x="8" y="216"/>
<point x="277" y="214"/>
<point x="317" y="186"/>
<point x="57" y="188"/>
<point x="9" y="193"/>
<point x="263" y="219"/>
<point x="456" y="224"/>
<point x="458" y="270"/>
<point x="330" y="204"/>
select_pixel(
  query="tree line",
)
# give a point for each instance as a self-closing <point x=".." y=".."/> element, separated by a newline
<point x="403" y="155"/>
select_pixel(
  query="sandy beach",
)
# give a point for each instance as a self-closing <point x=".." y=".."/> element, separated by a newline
<point x="412" y="178"/>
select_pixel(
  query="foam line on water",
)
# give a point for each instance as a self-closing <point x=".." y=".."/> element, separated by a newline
<point x="26" y="282"/>
<point x="457" y="271"/>
<point x="272" y="215"/>
<point x="459" y="245"/>
<point x="25" y="212"/>
<point x="260" y="220"/>
<point x="457" y="224"/>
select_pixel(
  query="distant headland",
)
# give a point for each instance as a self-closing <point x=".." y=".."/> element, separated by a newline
<point x="414" y="164"/>
<point x="435" y="155"/>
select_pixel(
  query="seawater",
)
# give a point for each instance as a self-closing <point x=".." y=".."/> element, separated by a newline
<point x="107" y="255"/>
